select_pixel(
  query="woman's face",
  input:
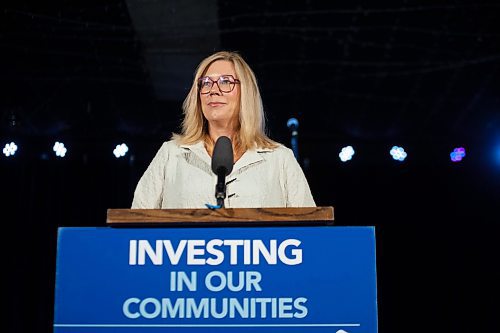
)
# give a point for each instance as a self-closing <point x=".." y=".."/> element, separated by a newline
<point x="220" y="107"/>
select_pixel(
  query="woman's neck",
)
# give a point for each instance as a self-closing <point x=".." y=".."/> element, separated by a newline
<point x="216" y="132"/>
<point x="218" y="129"/>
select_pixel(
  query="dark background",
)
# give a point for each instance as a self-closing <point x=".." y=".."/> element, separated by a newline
<point x="422" y="75"/>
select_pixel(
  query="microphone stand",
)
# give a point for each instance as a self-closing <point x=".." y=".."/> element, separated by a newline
<point x="220" y="187"/>
<point x="293" y="125"/>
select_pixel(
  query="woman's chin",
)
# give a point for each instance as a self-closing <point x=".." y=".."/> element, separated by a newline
<point x="218" y="116"/>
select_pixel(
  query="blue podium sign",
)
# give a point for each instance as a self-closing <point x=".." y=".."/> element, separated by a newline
<point x="262" y="279"/>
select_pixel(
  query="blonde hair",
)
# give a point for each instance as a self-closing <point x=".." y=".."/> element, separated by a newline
<point x="250" y="133"/>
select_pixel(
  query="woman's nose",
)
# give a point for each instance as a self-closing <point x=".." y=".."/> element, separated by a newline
<point x="215" y="89"/>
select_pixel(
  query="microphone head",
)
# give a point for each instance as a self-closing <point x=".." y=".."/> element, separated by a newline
<point x="222" y="157"/>
<point x="292" y="123"/>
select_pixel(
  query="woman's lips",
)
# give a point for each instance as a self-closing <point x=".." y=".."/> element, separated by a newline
<point x="215" y="104"/>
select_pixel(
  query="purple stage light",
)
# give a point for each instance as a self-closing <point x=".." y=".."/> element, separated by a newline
<point x="457" y="154"/>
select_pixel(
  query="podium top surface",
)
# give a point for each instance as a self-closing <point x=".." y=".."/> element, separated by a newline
<point x="221" y="217"/>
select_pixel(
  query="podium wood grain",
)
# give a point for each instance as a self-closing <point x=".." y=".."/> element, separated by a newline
<point x="224" y="216"/>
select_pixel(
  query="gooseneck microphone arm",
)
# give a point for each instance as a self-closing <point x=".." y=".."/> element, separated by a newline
<point x="220" y="187"/>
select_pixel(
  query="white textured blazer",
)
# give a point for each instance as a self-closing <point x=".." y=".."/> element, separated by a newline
<point x="180" y="176"/>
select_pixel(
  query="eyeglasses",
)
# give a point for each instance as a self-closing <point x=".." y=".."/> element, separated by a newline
<point x="226" y="84"/>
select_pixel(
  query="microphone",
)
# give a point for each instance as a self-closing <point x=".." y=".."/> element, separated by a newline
<point x="293" y="125"/>
<point x="222" y="165"/>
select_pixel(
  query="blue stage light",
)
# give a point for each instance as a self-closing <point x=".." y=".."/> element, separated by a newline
<point x="457" y="154"/>
<point x="120" y="150"/>
<point x="59" y="149"/>
<point x="496" y="153"/>
<point x="398" y="153"/>
<point x="346" y="153"/>
<point x="10" y="149"/>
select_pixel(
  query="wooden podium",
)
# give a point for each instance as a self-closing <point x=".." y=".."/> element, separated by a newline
<point x="224" y="217"/>
<point x="265" y="270"/>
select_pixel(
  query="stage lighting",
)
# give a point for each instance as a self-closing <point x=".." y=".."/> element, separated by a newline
<point x="120" y="150"/>
<point x="496" y="155"/>
<point x="457" y="154"/>
<point x="398" y="153"/>
<point x="10" y="149"/>
<point x="346" y="153"/>
<point x="59" y="149"/>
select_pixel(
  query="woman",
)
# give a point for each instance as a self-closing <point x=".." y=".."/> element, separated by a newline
<point x="224" y="100"/>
